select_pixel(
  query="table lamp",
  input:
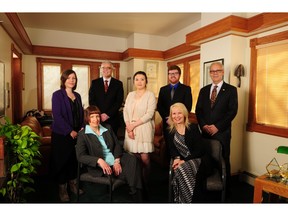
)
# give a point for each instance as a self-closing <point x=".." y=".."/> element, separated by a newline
<point x="283" y="168"/>
<point x="282" y="149"/>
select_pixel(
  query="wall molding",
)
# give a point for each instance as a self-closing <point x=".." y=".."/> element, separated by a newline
<point x="235" y="25"/>
<point x="76" y="53"/>
<point x="231" y="25"/>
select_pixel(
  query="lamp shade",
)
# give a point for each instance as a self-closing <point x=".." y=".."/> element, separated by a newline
<point x="282" y="149"/>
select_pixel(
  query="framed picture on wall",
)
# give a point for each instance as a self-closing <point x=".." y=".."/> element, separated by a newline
<point x="206" y="71"/>
<point x="151" y="69"/>
<point x="2" y="89"/>
<point x="153" y="86"/>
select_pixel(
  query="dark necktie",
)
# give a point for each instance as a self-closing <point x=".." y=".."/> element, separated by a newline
<point x="172" y="92"/>
<point x="106" y="85"/>
<point x="213" y="95"/>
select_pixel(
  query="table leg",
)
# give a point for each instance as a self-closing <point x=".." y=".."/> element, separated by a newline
<point x="257" y="192"/>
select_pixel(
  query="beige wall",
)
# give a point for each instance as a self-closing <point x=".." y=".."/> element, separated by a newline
<point x="5" y="57"/>
<point x="250" y="151"/>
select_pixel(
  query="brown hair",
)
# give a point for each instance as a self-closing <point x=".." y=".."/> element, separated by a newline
<point x="64" y="77"/>
<point x="89" y="111"/>
<point x="174" y="67"/>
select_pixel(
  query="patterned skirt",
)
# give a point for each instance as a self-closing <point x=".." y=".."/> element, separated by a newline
<point x="184" y="181"/>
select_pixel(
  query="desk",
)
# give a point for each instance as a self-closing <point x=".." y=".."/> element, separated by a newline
<point x="263" y="183"/>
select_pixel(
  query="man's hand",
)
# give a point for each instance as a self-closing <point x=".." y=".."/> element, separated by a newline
<point x="104" y="117"/>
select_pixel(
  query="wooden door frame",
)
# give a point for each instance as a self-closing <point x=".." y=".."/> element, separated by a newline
<point x="16" y="85"/>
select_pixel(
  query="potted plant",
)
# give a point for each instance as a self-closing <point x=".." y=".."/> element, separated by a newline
<point x="22" y="150"/>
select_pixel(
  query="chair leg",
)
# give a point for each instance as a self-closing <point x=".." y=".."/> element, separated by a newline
<point x="78" y="182"/>
<point x="110" y="188"/>
<point x="223" y="196"/>
<point x="170" y="191"/>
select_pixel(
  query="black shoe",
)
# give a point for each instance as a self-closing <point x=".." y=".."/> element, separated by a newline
<point x="137" y="197"/>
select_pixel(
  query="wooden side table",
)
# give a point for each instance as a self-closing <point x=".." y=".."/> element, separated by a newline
<point x="263" y="183"/>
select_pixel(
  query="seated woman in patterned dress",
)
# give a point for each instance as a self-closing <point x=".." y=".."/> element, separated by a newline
<point x="190" y="165"/>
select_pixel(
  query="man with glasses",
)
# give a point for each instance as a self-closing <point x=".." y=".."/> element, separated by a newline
<point x="172" y="93"/>
<point x="107" y="94"/>
<point x="216" y="107"/>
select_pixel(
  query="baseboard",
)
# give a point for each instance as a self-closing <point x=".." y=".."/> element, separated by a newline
<point x="247" y="177"/>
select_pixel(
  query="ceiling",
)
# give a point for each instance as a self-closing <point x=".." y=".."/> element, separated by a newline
<point x="111" y="24"/>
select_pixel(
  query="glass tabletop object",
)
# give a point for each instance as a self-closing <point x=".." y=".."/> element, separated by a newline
<point x="273" y="168"/>
<point x="284" y="173"/>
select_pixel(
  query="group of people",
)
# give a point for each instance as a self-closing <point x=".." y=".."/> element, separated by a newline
<point x="90" y="136"/>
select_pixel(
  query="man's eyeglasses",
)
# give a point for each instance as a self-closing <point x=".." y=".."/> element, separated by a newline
<point x="173" y="74"/>
<point x="215" y="71"/>
<point x="107" y="68"/>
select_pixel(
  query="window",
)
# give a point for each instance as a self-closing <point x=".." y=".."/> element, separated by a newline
<point x="49" y="72"/>
<point x="268" y="101"/>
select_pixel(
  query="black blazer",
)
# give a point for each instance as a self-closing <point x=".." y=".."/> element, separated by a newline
<point x="192" y="140"/>
<point x="89" y="148"/>
<point x="108" y="102"/>
<point x="182" y="94"/>
<point x="222" y="113"/>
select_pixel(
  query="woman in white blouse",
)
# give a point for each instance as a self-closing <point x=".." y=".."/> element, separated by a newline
<point x="139" y="110"/>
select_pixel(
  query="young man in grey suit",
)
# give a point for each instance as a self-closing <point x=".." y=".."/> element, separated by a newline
<point x="215" y="114"/>
<point x="108" y="99"/>
<point x="172" y="93"/>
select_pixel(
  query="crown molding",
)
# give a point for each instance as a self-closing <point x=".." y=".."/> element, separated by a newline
<point x="231" y="25"/>
<point x="76" y="53"/>
<point x="14" y="28"/>
<point x="235" y="25"/>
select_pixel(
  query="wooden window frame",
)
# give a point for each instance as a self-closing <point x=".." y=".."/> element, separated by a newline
<point x="66" y="64"/>
<point x="252" y="125"/>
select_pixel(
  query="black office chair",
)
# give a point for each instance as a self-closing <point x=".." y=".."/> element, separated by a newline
<point x="217" y="180"/>
<point x="84" y="176"/>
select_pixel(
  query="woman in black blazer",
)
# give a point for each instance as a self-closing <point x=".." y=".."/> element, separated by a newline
<point x="190" y="163"/>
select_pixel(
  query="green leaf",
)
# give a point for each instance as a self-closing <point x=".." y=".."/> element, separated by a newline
<point x="15" y="167"/>
<point x="3" y="191"/>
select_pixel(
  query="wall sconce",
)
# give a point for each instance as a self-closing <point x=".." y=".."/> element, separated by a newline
<point x="239" y="72"/>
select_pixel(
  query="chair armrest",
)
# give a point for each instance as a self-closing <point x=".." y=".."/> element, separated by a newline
<point x="46" y="131"/>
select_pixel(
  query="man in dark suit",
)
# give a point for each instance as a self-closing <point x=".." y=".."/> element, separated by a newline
<point x="172" y="93"/>
<point x="215" y="115"/>
<point x="108" y="99"/>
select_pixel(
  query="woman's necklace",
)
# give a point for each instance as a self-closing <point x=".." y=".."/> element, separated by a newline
<point x="180" y="129"/>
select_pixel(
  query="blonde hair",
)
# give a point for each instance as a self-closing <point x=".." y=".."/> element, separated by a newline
<point x="183" y="109"/>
